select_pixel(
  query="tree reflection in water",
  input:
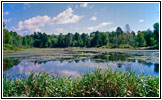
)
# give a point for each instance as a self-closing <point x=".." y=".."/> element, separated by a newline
<point x="8" y="63"/>
<point x="83" y="63"/>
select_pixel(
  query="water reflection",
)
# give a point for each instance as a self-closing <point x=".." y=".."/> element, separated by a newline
<point x="114" y="56"/>
<point x="119" y="65"/>
<point x="156" y="68"/>
<point x="8" y="63"/>
<point x="76" y="66"/>
<point x="40" y="62"/>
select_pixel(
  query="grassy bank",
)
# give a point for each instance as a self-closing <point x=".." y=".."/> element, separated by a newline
<point x="7" y="48"/>
<point x="101" y="82"/>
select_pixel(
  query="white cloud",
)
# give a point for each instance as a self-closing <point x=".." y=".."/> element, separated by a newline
<point x="73" y="74"/>
<point x="99" y="26"/>
<point x="141" y="20"/>
<point x="93" y="18"/>
<point x="112" y="29"/>
<point x="66" y="17"/>
<point x="59" y="29"/>
<point x="26" y="68"/>
<point x="84" y="5"/>
<point x="7" y="20"/>
<point x="33" y="24"/>
<point x="6" y="13"/>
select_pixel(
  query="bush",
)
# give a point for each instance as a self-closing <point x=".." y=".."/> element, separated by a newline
<point x="125" y="46"/>
<point x="101" y="82"/>
<point x="10" y="48"/>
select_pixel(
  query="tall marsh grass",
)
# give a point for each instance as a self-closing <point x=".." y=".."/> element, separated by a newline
<point x="100" y="83"/>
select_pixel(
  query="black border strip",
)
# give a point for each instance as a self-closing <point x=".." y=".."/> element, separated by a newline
<point x="81" y="97"/>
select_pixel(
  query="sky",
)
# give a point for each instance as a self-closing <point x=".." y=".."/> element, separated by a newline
<point x="56" y="18"/>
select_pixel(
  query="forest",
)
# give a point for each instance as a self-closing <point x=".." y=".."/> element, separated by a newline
<point x="114" y="39"/>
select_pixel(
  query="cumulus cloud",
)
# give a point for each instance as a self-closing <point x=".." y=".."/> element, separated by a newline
<point x="84" y="5"/>
<point x="141" y="20"/>
<point x="35" y="24"/>
<point x="6" y="13"/>
<point x="99" y="26"/>
<point x="93" y="18"/>
<point x="66" y="17"/>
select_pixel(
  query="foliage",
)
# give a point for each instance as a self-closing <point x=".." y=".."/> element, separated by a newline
<point x="115" y="39"/>
<point x="125" y="46"/>
<point x="102" y="82"/>
<point x="141" y="42"/>
<point x="10" y="48"/>
<point x="156" y="32"/>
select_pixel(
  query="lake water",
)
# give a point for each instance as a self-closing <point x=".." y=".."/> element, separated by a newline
<point x="79" y="62"/>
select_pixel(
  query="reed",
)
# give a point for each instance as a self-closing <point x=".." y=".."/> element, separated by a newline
<point x="99" y="83"/>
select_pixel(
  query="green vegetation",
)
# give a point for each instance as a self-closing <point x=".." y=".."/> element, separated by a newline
<point x="7" y="48"/>
<point x="115" y="39"/>
<point x="101" y="82"/>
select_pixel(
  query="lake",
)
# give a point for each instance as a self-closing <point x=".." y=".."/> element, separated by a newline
<point x="78" y="61"/>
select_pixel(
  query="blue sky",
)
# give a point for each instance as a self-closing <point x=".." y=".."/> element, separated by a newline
<point x="55" y="18"/>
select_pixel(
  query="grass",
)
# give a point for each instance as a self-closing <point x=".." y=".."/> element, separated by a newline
<point x="100" y="83"/>
<point x="8" y="48"/>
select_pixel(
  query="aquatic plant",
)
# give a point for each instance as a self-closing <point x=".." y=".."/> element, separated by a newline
<point x="101" y="82"/>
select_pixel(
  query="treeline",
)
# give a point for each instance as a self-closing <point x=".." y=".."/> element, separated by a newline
<point x="115" y="39"/>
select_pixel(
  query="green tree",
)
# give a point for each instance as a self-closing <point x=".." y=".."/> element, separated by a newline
<point x="61" y="40"/>
<point x="24" y="42"/>
<point x="148" y="37"/>
<point x="7" y="38"/>
<point x="153" y="41"/>
<point x="123" y="38"/>
<point x="140" y="40"/>
<point x="156" y="32"/>
<point x="54" y="42"/>
<point x="68" y="40"/>
<point x="77" y="37"/>
<point x="40" y="40"/>
<point x="132" y="40"/>
<point x="105" y="39"/>
<point x="85" y="39"/>
<point x="97" y="40"/>
<point x="119" y="31"/>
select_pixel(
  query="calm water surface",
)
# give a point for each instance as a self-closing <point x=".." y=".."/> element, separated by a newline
<point x="139" y="62"/>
